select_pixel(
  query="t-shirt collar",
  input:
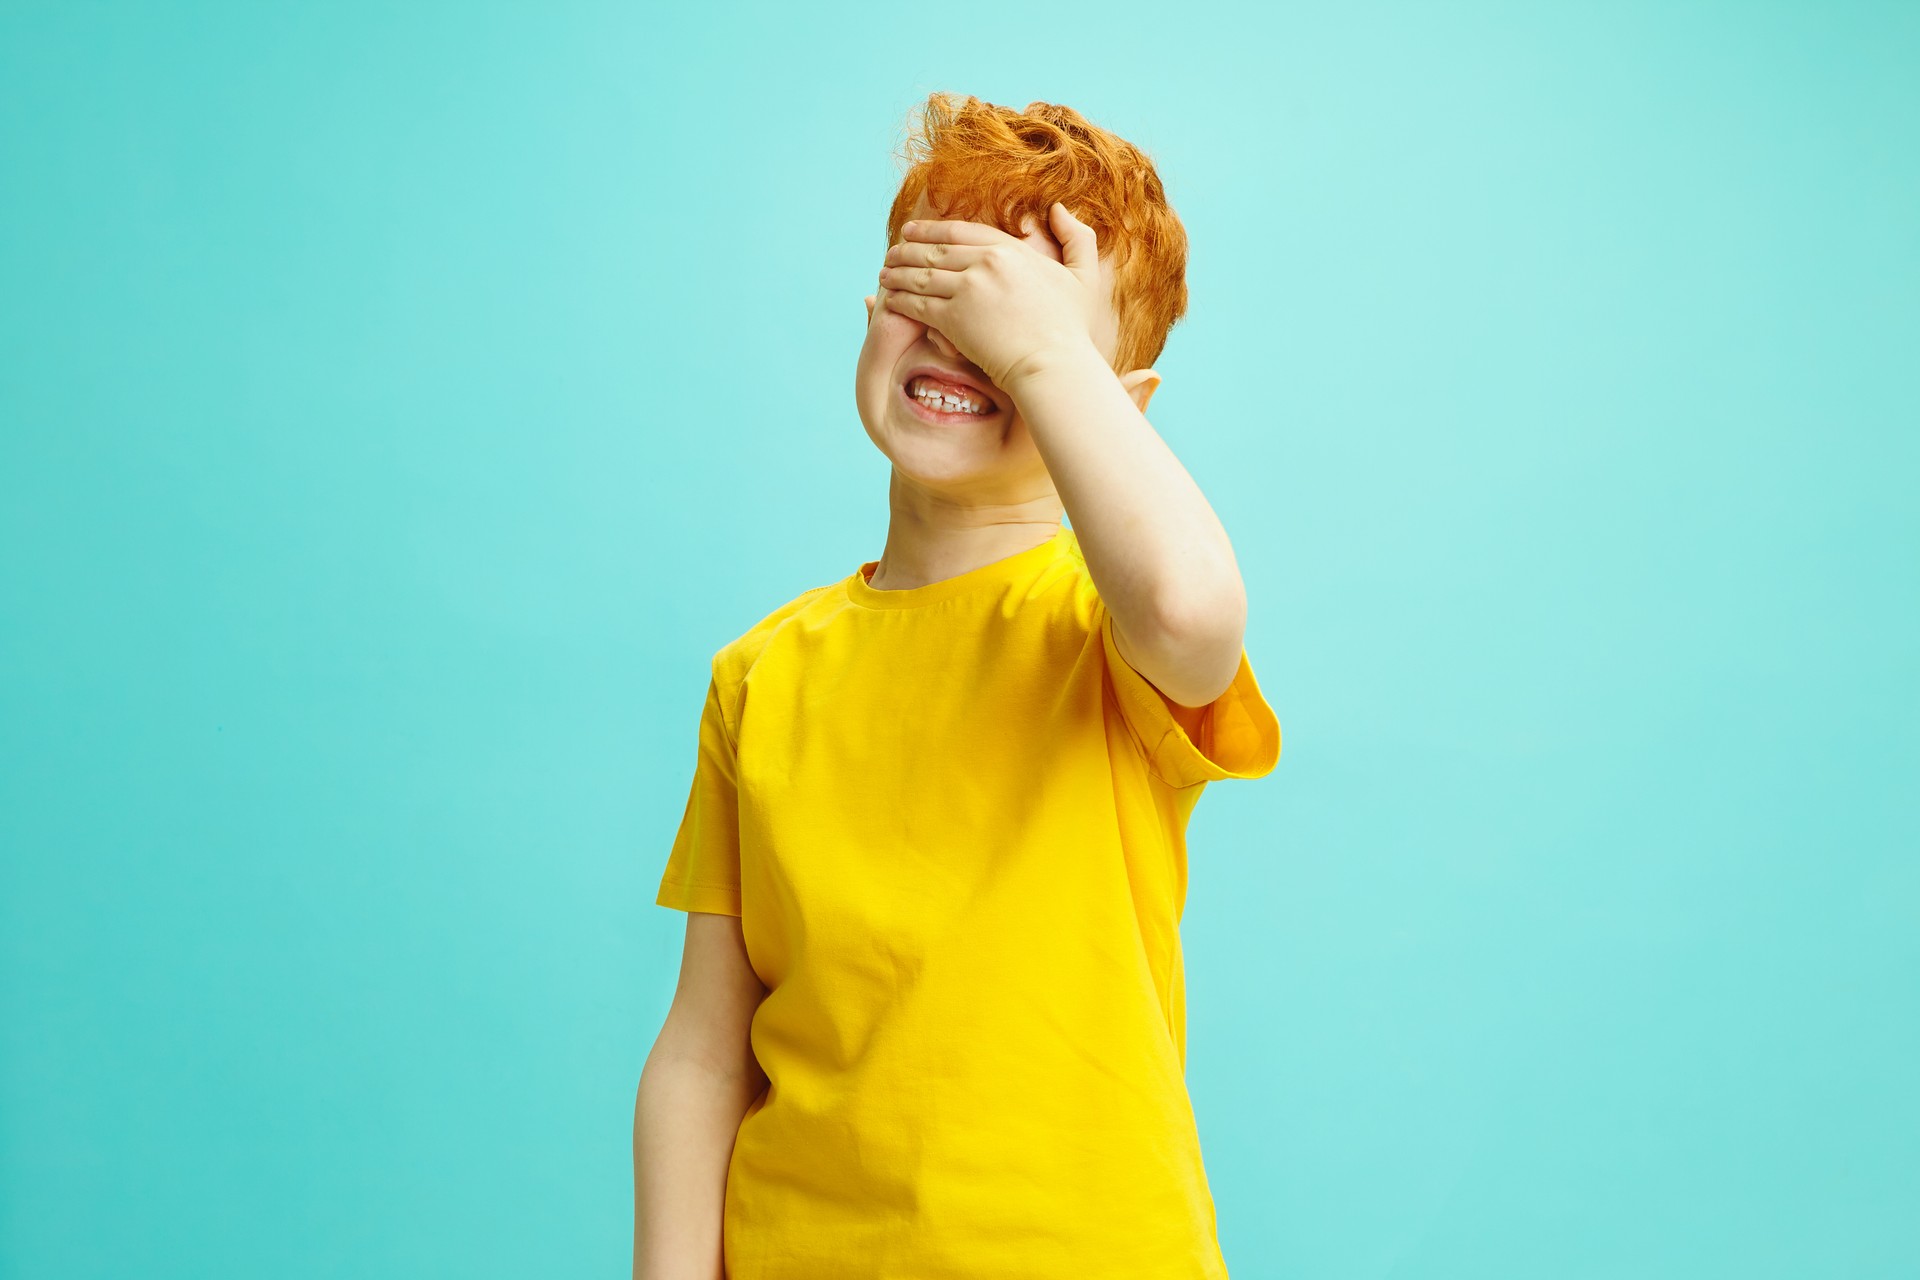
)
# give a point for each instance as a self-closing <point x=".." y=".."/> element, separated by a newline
<point x="1001" y="571"/>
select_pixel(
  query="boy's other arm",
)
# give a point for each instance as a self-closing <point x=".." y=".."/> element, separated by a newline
<point x="698" y="1081"/>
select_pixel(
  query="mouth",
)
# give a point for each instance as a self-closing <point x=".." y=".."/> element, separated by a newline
<point x="945" y="398"/>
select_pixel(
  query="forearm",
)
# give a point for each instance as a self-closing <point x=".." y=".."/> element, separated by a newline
<point x="1153" y="544"/>
<point x="686" y="1115"/>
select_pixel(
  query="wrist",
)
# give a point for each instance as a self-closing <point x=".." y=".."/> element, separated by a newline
<point x="1049" y="365"/>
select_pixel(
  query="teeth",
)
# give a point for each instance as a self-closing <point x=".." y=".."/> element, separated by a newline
<point x="945" y="401"/>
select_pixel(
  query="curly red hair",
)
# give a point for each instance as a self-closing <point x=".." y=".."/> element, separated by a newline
<point x="992" y="164"/>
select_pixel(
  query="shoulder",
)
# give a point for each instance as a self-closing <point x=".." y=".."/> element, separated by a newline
<point x="734" y="659"/>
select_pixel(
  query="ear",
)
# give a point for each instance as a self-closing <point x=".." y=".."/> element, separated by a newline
<point x="1141" y="384"/>
<point x="869" y="301"/>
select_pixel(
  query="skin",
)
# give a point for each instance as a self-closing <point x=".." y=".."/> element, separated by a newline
<point x="1029" y="319"/>
<point x="699" y="1080"/>
<point x="1033" y="318"/>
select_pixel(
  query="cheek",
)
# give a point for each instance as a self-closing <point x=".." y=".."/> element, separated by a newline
<point x="888" y="336"/>
<point x="888" y="320"/>
<point x="879" y="356"/>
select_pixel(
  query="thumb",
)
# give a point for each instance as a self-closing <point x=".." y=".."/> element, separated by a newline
<point x="1078" y="245"/>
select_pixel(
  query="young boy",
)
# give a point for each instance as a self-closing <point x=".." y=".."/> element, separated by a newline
<point x="929" y="1021"/>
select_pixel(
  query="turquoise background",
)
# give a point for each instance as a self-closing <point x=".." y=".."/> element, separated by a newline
<point x="402" y="402"/>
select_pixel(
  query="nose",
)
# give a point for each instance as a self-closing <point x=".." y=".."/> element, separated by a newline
<point x="941" y="344"/>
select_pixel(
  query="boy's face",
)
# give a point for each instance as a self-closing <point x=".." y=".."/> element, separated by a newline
<point x="989" y="454"/>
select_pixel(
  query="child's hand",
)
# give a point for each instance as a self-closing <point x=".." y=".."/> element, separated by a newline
<point x="1004" y="304"/>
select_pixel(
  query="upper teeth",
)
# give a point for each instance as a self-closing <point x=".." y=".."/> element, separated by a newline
<point x="934" y="398"/>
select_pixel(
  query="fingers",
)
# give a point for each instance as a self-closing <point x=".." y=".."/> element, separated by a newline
<point x="1077" y="240"/>
<point x="930" y="282"/>
<point x="1063" y="217"/>
<point x="919" y="253"/>
<point x="955" y="232"/>
<point x="916" y="306"/>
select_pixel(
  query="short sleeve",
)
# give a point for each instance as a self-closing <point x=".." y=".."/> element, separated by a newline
<point x="1239" y="735"/>
<point x="703" y="868"/>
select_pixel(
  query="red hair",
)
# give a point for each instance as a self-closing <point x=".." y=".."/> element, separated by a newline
<point x="992" y="164"/>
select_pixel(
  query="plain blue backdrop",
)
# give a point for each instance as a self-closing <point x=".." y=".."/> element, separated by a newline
<point x="399" y="403"/>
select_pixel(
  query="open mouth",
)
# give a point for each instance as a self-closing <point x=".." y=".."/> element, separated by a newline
<point x="947" y="400"/>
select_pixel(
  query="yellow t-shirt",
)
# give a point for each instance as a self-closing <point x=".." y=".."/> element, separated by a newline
<point x="952" y="822"/>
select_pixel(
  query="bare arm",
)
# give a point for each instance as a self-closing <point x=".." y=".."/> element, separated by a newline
<point x="697" y="1084"/>
<point x="1153" y="545"/>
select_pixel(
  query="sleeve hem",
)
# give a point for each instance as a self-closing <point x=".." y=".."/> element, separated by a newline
<point x="718" y="899"/>
<point x="1239" y="737"/>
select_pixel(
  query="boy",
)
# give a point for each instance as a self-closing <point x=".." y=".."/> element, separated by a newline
<point x="929" y="1020"/>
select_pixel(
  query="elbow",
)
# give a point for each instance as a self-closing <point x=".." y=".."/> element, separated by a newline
<point x="1203" y="635"/>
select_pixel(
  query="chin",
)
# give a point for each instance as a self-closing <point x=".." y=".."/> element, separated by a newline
<point x="958" y="460"/>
